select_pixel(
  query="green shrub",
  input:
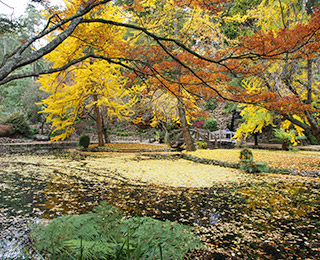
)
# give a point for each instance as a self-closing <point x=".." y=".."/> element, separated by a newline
<point x="312" y="139"/>
<point x="84" y="141"/>
<point x="210" y="124"/>
<point x="124" y="134"/>
<point x="287" y="138"/>
<point x="211" y="104"/>
<point x="175" y="239"/>
<point x="19" y="125"/>
<point x="201" y="145"/>
<point x="87" y="236"/>
<point x="254" y="167"/>
<point x="246" y="155"/>
<point x="105" y="234"/>
<point x="34" y="131"/>
<point x="120" y="133"/>
<point x="247" y="163"/>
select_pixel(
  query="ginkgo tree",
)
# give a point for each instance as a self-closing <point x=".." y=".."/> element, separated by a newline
<point x="91" y="27"/>
<point x="97" y="85"/>
<point x="254" y="118"/>
<point x="91" y="83"/>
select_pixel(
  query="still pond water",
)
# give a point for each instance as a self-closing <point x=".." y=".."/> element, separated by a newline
<point x="264" y="216"/>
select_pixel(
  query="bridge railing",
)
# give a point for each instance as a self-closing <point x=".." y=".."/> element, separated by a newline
<point x="219" y="135"/>
<point x="216" y="137"/>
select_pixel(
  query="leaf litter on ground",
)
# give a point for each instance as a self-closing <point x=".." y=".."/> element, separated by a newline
<point x="298" y="160"/>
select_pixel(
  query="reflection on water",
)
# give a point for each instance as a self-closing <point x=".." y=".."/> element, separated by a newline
<point x="32" y="190"/>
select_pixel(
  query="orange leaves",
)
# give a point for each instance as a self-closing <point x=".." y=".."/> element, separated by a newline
<point x="301" y="41"/>
<point x="170" y="65"/>
<point x="286" y="104"/>
<point x="281" y="57"/>
<point x="216" y="5"/>
<point x="272" y="101"/>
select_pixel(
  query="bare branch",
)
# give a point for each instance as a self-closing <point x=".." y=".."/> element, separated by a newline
<point x="152" y="35"/>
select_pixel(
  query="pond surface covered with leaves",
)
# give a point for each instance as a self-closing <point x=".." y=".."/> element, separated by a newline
<point x="238" y="216"/>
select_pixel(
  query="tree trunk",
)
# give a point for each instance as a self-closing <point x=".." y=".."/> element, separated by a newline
<point x="255" y="139"/>
<point x="105" y="127"/>
<point x="182" y="113"/>
<point x="98" y="121"/>
<point x="314" y="126"/>
<point x="166" y="137"/>
<point x="285" y="146"/>
<point x="232" y="121"/>
<point x="42" y="126"/>
<point x="106" y="135"/>
<point x="316" y="133"/>
<point x="185" y="129"/>
<point x="164" y="127"/>
<point x="310" y="81"/>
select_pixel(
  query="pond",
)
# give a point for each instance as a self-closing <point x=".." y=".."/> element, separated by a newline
<point x="237" y="216"/>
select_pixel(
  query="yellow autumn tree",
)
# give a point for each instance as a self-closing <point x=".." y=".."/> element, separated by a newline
<point x="106" y="38"/>
<point x="254" y="117"/>
<point x="89" y="83"/>
<point x="275" y="14"/>
<point x="97" y="85"/>
<point x="163" y="110"/>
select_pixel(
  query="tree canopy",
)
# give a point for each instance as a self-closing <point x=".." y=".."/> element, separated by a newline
<point x="184" y="45"/>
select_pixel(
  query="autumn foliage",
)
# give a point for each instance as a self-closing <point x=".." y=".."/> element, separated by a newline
<point x="278" y="59"/>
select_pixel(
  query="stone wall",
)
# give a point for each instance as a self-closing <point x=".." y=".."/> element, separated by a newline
<point x="36" y="147"/>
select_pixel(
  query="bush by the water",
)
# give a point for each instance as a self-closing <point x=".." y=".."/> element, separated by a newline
<point x="246" y="155"/>
<point x="210" y="124"/>
<point x="247" y="163"/>
<point x="105" y="234"/>
<point x="84" y="141"/>
<point x="201" y="145"/>
<point x="19" y="125"/>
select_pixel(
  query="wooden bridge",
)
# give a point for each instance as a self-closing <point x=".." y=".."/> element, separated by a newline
<point x="215" y="139"/>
